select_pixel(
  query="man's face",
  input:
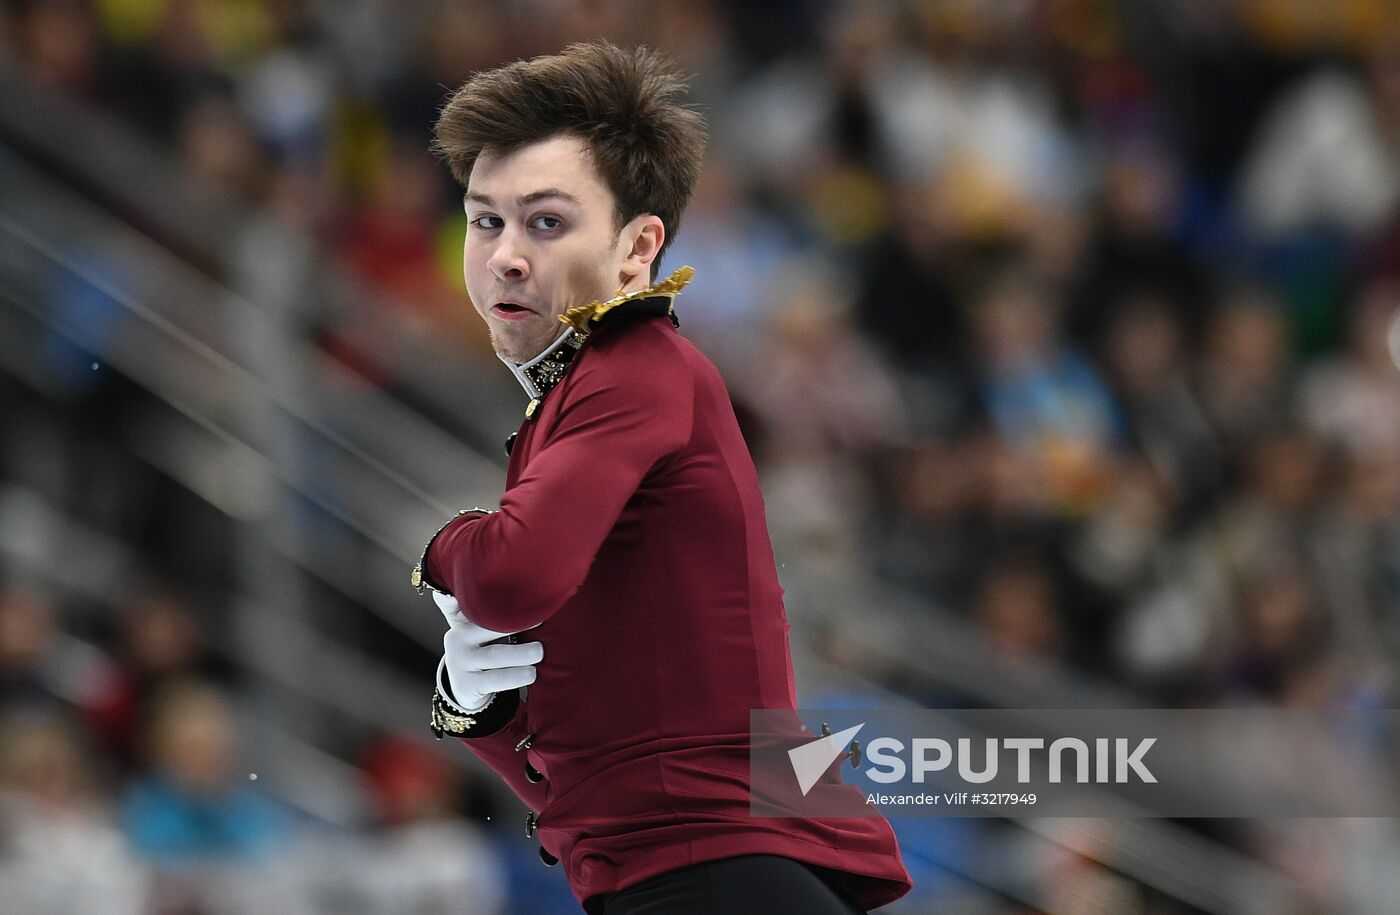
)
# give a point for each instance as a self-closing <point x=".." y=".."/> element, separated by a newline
<point x="540" y="239"/>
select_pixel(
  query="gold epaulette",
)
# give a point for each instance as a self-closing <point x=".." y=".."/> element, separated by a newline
<point x="583" y="318"/>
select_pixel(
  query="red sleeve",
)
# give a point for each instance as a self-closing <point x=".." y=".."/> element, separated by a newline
<point x="626" y="411"/>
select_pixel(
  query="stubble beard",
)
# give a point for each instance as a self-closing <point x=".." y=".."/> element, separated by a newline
<point x="521" y="350"/>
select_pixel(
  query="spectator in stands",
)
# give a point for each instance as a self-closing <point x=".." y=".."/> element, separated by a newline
<point x="1147" y="355"/>
<point x="1018" y="611"/>
<point x="194" y="806"/>
<point x="59" y="852"/>
<point x="820" y="437"/>
<point x="1327" y="156"/>
<point x="1353" y="398"/>
<point x="159" y="647"/>
<point x="426" y="857"/>
<point x="1245" y="378"/>
<point x="62" y="43"/>
<point x="1045" y="399"/>
<point x="27" y="675"/>
<point x="1283" y="651"/>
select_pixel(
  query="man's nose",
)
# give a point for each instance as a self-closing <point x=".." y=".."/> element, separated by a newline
<point x="508" y="260"/>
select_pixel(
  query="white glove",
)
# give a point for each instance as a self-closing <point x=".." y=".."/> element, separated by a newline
<point x="476" y="671"/>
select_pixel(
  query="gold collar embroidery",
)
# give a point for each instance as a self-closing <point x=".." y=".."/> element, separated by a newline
<point x="540" y="375"/>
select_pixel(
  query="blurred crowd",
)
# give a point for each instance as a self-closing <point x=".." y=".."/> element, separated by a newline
<point x="1080" y="319"/>
<point x="124" y="788"/>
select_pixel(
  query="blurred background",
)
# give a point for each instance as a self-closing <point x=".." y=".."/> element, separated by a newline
<point x="1064" y="333"/>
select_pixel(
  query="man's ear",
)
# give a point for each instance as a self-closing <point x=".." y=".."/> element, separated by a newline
<point x="648" y="234"/>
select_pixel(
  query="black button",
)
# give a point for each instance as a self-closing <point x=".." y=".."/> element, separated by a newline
<point x="548" y="859"/>
<point x="530" y="825"/>
<point x="532" y="775"/>
<point x="510" y="442"/>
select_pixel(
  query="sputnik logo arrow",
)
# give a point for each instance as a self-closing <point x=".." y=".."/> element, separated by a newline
<point x="810" y="760"/>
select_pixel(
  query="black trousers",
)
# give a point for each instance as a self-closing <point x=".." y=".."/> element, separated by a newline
<point x="746" y="885"/>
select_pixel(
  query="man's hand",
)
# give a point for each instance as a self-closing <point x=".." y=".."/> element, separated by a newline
<point x="476" y="671"/>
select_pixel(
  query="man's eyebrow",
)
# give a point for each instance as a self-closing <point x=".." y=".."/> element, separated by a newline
<point x="546" y="193"/>
<point x="526" y="199"/>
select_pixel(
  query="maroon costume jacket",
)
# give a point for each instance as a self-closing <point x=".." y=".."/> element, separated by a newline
<point x="633" y="527"/>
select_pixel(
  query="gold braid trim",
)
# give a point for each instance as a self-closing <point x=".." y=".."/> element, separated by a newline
<point x="580" y="317"/>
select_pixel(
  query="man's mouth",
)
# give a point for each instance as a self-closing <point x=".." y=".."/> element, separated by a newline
<point x="511" y="310"/>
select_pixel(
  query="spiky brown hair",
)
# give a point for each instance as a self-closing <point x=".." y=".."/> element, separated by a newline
<point x="622" y="104"/>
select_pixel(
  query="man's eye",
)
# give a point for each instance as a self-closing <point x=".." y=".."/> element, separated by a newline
<point x="487" y="222"/>
<point x="549" y="223"/>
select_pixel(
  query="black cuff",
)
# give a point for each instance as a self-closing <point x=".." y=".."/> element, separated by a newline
<point x="447" y="721"/>
<point x="419" y="578"/>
